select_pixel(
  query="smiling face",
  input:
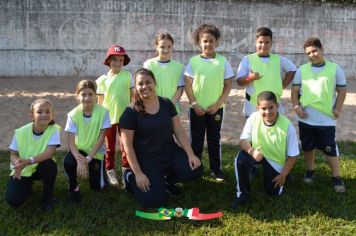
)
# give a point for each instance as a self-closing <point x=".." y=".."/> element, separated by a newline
<point x="87" y="97"/>
<point x="41" y="114"/>
<point x="145" y="86"/>
<point x="164" y="49"/>
<point x="208" y="43"/>
<point x="268" y="110"/>
<point x="315" y="55"/>
<point x="263" y="45"/>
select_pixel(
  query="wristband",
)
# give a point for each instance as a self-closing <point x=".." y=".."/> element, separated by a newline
<point x="89" y="158"/>
<point x="296" y="107"/>
<point x="32" y="160"/>
<point x="194" y="103"/>
<point x="248" y="79"/>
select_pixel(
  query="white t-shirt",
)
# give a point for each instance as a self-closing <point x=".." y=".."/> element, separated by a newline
<point x="292" y="141"/>
<point x="316" y="117"/>
<point x="181" y="82"/>
<point x="53" y="141"/>
<point x="228" y="74"/>
<point x="244" y="70"/>
<point x="71" y="127"/>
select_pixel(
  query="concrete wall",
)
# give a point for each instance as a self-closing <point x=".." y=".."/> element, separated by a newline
<point x="70" y="37"/>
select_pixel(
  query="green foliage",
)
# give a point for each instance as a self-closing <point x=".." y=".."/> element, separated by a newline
<point x="303" y="210"/>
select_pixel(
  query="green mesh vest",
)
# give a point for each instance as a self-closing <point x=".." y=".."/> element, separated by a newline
<point x="318" y="88"/>
<point x="167" y="77"/>
<point x="271" y="140"/>
<point x="271" y="72"/>
<point x="88" y="132"/>
<point x="29" y="147"/>
<point x="208" y="80"/>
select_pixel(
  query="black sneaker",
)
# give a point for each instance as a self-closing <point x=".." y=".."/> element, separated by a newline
<point x="217" y="175"/>
<point x="48" y="205"/>
<point x="309" y="176"/>
<point x="172" y="190"/>
<point x="339" y="185"/>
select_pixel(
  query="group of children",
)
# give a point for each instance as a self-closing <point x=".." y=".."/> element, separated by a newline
<point x="268" y="138"/>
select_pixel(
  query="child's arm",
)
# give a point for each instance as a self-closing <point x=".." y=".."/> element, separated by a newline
<point x="255" y="153"/>
<point x="177" y="95"/>
<point x="82" y="165"/>
<point x="340" y="99"/>
<point x="222" y="99"/>
<point x="281" y="178"/>
<point x="189" y="91"/>
<point x="20" y="164"/>
<point x="100" y="99"/>
<point x="183" y="140"/>
<point x="97" y="145"/>
<point x="288" y="78"/>
<point x="142" y="181"/>
<point x="295" y="102"/>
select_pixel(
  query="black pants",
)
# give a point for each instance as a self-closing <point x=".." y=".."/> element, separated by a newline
<point x="97" y="180"/>
<point x="212" y="124"/>
<point x="178" y="170"/>
<point x="243" y="164"/>
<point x="17" y="190"/>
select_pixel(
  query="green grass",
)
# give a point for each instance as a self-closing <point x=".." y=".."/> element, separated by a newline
<point x="302" y="210"/>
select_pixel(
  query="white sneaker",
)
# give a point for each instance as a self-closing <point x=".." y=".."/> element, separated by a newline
<point x="112" y="177"/>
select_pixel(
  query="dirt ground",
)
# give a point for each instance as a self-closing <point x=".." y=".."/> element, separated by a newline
<point x="16" y="95"/>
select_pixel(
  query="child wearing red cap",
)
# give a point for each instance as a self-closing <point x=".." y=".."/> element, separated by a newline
<point x="114" y="92"/>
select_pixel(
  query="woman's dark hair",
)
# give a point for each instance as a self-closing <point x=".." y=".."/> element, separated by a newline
<point x="205" y="28"/>
<point x="137" y="101"/>
<point x="267" y="96"/>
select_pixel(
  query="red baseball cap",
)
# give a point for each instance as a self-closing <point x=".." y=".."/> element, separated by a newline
<point x="116" y="50"/>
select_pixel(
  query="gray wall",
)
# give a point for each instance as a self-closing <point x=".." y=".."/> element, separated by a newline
<point x="70" y="37"/>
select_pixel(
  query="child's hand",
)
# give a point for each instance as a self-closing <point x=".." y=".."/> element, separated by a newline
<point x="300" y="112"/>
<point x="212" y="109"/>
<point x="254" y="76"/>
<point x="336" y="113"/>
<point x="82" y="170"/>
<point x="257" y="154"/>
<point x="20" y="164"/>
<point x="279" y="180"/>
<point x="198" y="110"/>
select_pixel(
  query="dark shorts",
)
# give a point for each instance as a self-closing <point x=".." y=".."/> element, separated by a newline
<point x="319" y="137"/>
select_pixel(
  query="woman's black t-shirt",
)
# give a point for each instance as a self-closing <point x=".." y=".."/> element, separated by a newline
<point x="153" y="133"/>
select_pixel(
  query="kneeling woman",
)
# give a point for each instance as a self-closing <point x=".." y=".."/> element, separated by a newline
<point x="156" y="161"/>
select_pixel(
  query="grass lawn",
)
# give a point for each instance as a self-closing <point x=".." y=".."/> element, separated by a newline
<point x="302" y="210"/>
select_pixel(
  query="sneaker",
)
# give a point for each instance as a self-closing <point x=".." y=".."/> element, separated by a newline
<point x="112" y="177"/>
<point x="339" y="186"/>
<point x="172" y="190"/>
<point x="309" y="176"/>
<point x="217" y="175"/>
<point x="48" y="205"/>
